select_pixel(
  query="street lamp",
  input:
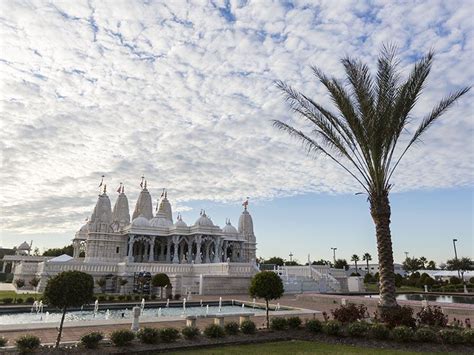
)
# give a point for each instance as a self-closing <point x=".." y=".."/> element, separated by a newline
<point x="406" y="255"/>
<point x="456" y="255"/>
<point x="291" y="256"/>
<point x="334" y="254"/>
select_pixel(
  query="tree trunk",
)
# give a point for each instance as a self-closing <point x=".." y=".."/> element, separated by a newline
<point x="380" y="211"/>
<point x="356" y="268"/>
<point x="268" y="318"/>
<point x="368" y="271"/>
<point x="60" y="331"/>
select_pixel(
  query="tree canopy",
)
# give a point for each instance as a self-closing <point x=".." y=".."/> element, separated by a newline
<point x="341" y="264"/>
<point x="266" y="285"/>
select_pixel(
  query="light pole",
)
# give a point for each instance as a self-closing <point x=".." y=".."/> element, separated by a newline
<point x="291" y="256"/>
<point x="456" y="255"/>
<point x="334" y="254"/>
<point x="406" y="255"/>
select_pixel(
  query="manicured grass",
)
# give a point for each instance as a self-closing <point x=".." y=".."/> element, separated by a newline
<point x="14" y="295"/>
<point x="295" y="347"/>
<point x="374" y="288"/>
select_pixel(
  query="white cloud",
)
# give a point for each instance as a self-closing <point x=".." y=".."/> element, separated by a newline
<point x="184" y="94"/>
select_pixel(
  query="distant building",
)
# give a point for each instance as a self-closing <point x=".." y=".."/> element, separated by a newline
<point x="373" y="269"/>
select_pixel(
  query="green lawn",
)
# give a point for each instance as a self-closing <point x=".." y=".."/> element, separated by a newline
<point x="374" y="288"/>
<point x="294" y="347"/>
<point x="14" y="295"/>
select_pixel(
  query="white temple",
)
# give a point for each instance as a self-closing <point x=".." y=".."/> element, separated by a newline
<point x="199" y="258"/>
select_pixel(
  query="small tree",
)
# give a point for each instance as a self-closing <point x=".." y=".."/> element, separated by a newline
<point x="34" y="282"/>
<point x="68" y="289"/>
<point x="367" y="257"/>
<point x="266" y="285"/>
<point x="101" y="283"/>
<point x="160" y="280"/>
<point x="19" y="283"/>
<point x="341" y="264"/>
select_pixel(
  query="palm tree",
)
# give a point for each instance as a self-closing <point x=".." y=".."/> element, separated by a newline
<point x="362" y="136"/>
<point x="367" y="257"/>
<point x="355" y="259"/>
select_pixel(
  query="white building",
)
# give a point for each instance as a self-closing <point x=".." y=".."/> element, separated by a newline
<point x="373" y="268"/>
<point x="199" y="258"/>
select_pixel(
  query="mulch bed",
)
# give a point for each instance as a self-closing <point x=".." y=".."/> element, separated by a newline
<point x="263" y="336"/>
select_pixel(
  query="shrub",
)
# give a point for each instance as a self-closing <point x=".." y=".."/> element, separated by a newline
<point x="3" y="341"/>
<point x="148" y="335"/>
<point x="122" y="337"/>
<point x="358" y="329"/>
<point x="177" y="296"/>
<point x="146" y="298"/>
<point x="278" y="324"/>
<point x="169" y="335"/>
<point x="101" y="298"/>
<point x="136" y="297"/>
<point x="91" y="340"/>
<point x="471" y="280"/>
<point x="426" y="334"/>
<point x="453" y="280"/>
<point x="111" y="298"/>
<point x="379" y="331"/>
<point x="27" y="343"/>
<point x="231" y="328"/>
<point x="30" y="299"/>
<point x="396" y="316"/>
<point x="432" y="316"/>
<point x="7" y="300"/>
<point x="214" y="331"/>
<point x="468" y="335"/>
<point x="451" y="336"/>
<point x="349" y="313"/>
<point x="248" y="327"/>
<point x="128" y="297"/>
<point x="19" y="300"/>
<point x="294" y="322"/>
<point x="368" y="278"/>
<point x="121" y="297"/>
<point x="332" y="327"/>
<point x="190" y="332"/>
<point x="314" y="325"/>
<point x="402" y="333"/>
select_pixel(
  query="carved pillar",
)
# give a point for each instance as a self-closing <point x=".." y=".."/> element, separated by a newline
<point x="198" y="240"/>
<point x="168" y="251"/>
<point x="175" y="241"/>
<point x="131" y="240"/>
<point x="217" y="254"/>
<point x="151" y="257"/>
<point x="190" y="249"/>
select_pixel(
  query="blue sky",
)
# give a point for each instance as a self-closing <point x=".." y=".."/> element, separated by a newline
<point x="184" y="94"/>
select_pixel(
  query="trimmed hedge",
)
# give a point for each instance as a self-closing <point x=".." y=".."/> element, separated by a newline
<point x="122" y="337"/>
<point x="148" y="335"/>
<point x="451" y="336"/>
<point x="231" y="328"/>
<point x="294" y="322"/>
<point x="248" y="327"/>
<point x="169" y="335"/>
<point x="190" y="332"/>
<point x="379" y="331"/>
<point x="92" y="340"/>
<point x="358" y="329"/>
<point x="27" y="343"/>
<point x="314" y="325"/>
<point x="278" y="324"/>
<point x="214" y="331"/>
<point x="426" y="334"/>
<point x="402" y="334"/>
<point x="332" y="327"/>
<point x="3" y="341"/>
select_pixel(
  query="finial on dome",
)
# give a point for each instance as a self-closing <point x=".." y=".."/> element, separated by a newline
<point x="123" y="189"/>
<point x="101" y="183"/>
<point x="105" y="189"/>
<point x="145" y="184"/>
<point x="141" y="183"/>
<point x="157" y="205"/>
<point x="162" y="192"/>
<point x="166" y="194"/>
<point x="245" y="204"/>
<point x="119" y="190"/>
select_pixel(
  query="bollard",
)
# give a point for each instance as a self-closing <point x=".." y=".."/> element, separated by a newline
<point x="243" y="318"/>
<point x="190" y="321"/>
<point x="219" y="320"/>
<point x="136" y="315"/>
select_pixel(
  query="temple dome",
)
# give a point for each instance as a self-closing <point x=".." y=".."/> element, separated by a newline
<point x="102" y="210"/>
<point x="144" y="206"/>
<point x="140" y="222"/>
<point x="204" y="220"/>
<point x="229" y="228"/>
<point x="246" y="223"/>
<point x="160" y="221"/>
<point x="180" y="222"/>
<point x="121" y="213"/>
<point x="24" y="246"/>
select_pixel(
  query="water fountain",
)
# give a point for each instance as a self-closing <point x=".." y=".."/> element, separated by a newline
<point x="46" y="316"/>
<point x="40" y="307"/>
<point x="107" y="314"/>
<point x="253" y="304"/>
<point x="167" y="303"/>
<point x="159" y="312"/>
<point x="243" y="305"/>
<point x="277" y="307"/>
<point x="96" y="307"/>
<point x="201" y="303"/>
<point x="207" y="309"/>
<point x="34" y="307"/>
<point x="184" y="305"/>
<point x="220" y="304"/>
<point x="142" y="305"/>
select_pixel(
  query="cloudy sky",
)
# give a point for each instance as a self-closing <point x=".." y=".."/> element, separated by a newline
<point x="183" y="93"/>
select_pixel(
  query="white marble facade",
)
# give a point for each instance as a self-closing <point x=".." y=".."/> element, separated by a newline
<point x="110" y="236"/>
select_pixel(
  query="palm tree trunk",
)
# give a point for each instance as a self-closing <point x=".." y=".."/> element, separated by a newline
<point x="60" y="330"/>
<point x="380" y="211"/>
<point x="268" y="319"/>
<point x="368" y="271"/>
